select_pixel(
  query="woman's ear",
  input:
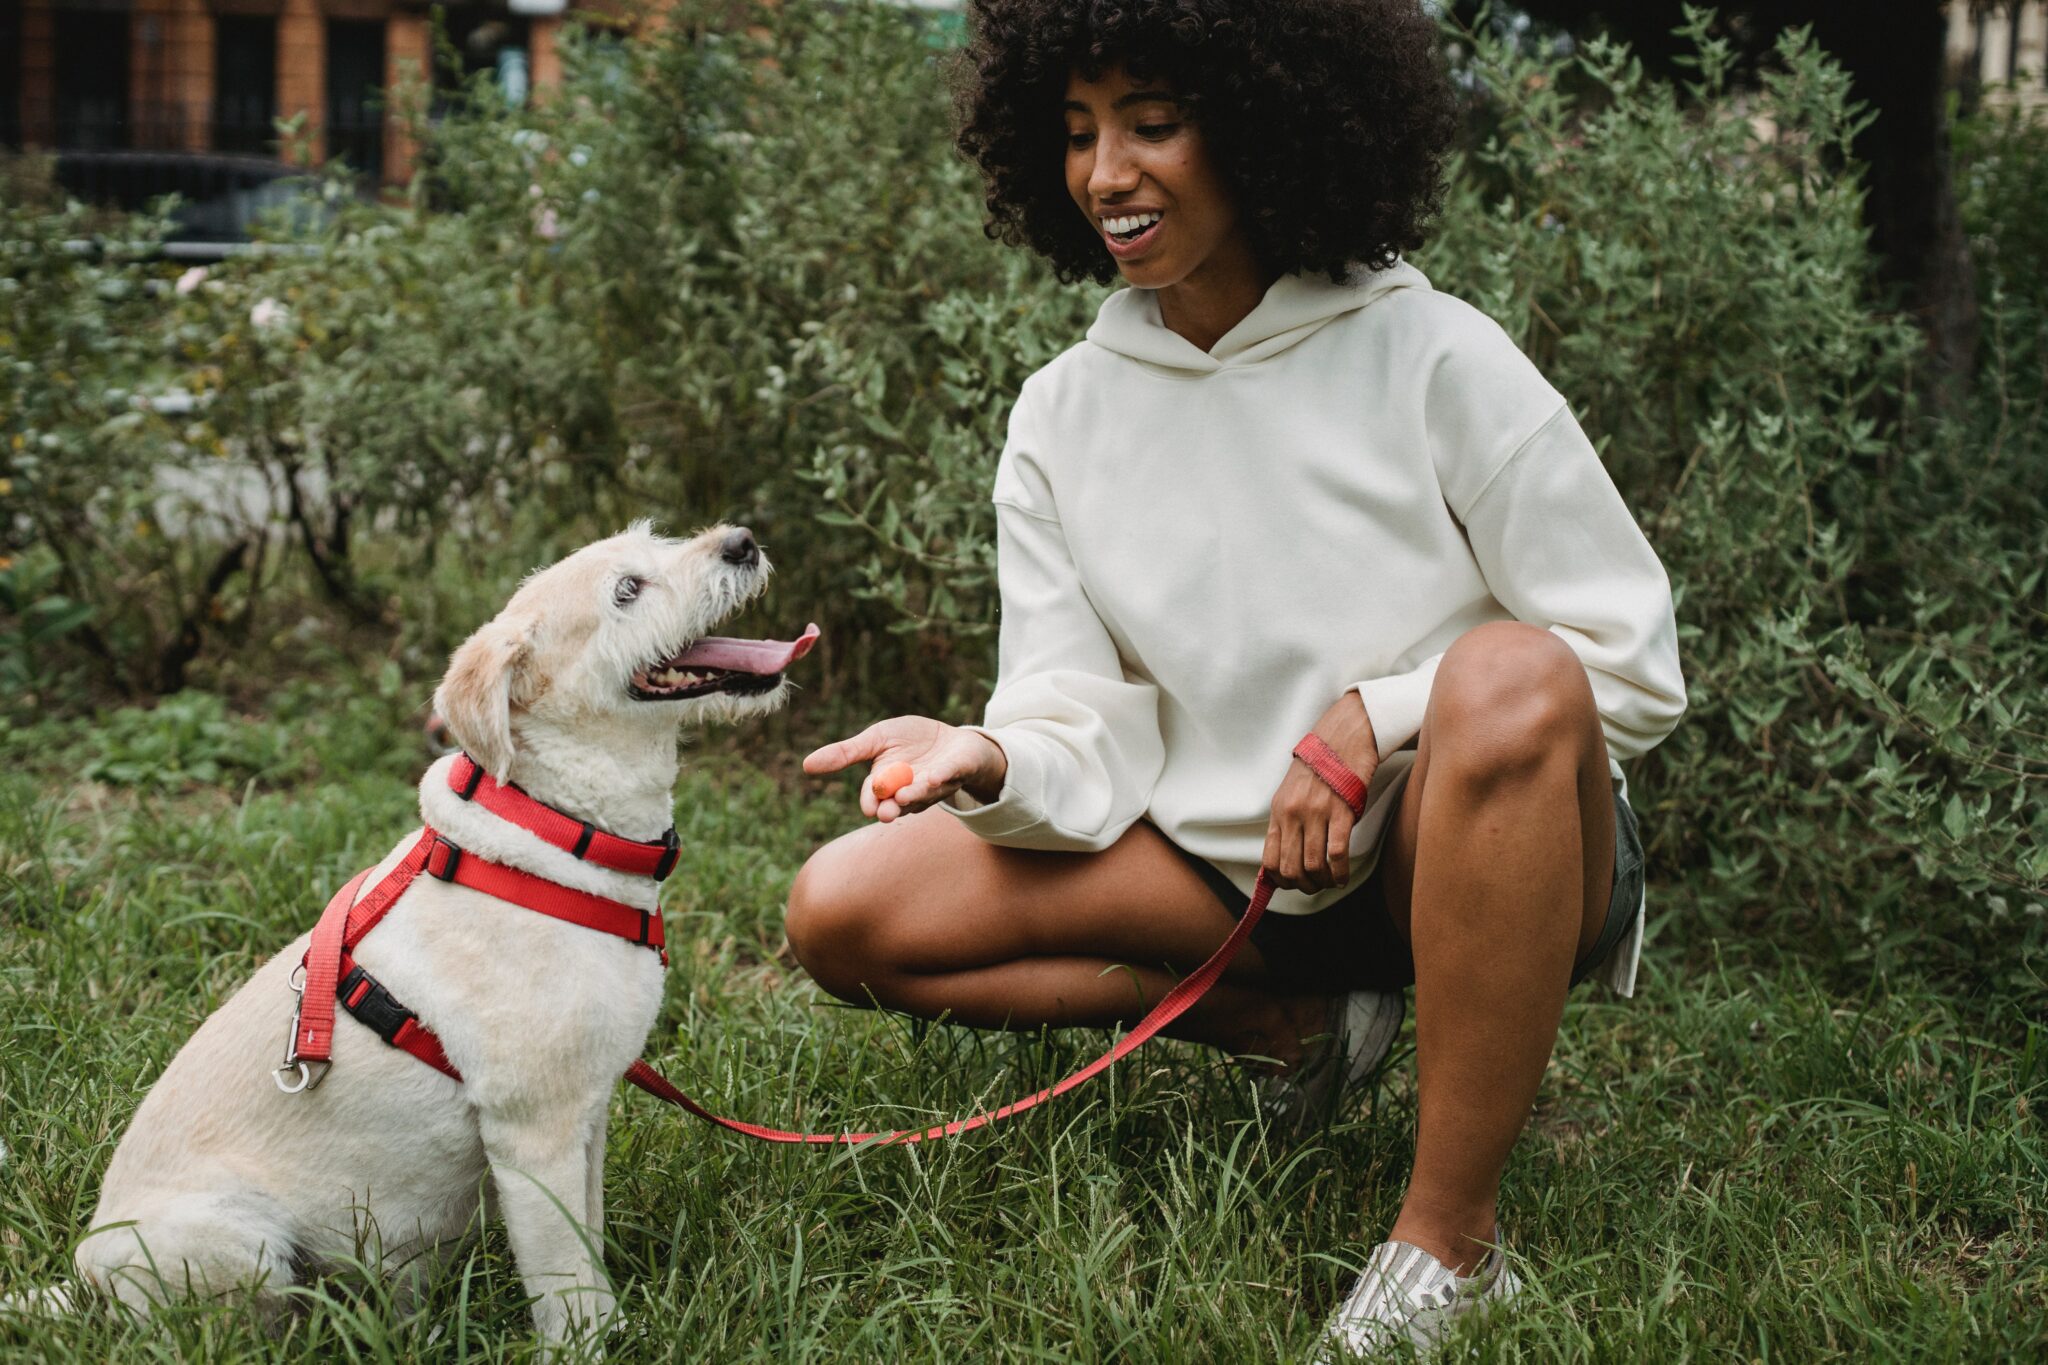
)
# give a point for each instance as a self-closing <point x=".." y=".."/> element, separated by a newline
<point x="475" y="696"/>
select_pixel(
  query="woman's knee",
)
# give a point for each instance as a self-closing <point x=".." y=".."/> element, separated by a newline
<point x="1509" y="701"/>
<point x="833" y="919"/>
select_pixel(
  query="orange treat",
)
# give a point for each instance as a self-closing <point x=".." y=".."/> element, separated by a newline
<point x="892" y="779"/>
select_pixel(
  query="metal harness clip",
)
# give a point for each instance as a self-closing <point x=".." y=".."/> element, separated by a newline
<point x="306" y="1077"/>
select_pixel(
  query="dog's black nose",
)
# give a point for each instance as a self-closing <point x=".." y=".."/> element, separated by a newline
<point x="739" y="548"/>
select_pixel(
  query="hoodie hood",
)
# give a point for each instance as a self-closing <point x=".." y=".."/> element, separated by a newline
<point x="1294" y="308"/>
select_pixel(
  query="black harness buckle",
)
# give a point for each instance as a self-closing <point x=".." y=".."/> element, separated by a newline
<point x="671" y="849"/>
<point x="476" y="778"/>
<point x="373" y="1007"/>
<point x="443" y="858"/>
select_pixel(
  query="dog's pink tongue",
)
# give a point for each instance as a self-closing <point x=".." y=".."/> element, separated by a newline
<point x="746" y="656"/>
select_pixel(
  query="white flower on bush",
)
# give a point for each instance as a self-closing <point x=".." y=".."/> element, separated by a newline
<point x="191" y="279"/>
<point x="546" y="225"/>
<point x="268" y="313"/>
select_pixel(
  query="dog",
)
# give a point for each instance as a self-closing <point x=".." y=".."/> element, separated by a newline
<point x="576" y="693"/>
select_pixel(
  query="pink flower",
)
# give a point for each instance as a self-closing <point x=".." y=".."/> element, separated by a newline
<point x="546" y="225"/>
<point x="191" y="280"/>
<point x="268" y="313"/>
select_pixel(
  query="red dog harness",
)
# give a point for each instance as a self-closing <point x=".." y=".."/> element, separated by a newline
<point x="329" y="975"/>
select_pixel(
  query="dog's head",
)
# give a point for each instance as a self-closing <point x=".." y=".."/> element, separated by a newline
<point x="615" y="639"/>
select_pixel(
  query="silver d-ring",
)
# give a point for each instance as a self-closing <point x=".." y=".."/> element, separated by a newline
<point x="305" y="1077"/>
<point x="297" y="980"/>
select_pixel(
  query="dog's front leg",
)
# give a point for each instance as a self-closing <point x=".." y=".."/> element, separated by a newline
<point x="593" y="1180"/>
<point x="541" y="1171"/>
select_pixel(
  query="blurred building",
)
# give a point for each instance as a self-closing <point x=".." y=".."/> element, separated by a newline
<point x="139" y="97"/>
<point x="1999" y="52"/>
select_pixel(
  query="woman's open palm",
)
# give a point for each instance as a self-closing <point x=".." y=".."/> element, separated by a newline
<point x="943" y="759"/>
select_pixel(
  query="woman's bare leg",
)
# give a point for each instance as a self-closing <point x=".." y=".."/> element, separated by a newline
<point x="1498" y="870"/>
<point x="923" y="916"/>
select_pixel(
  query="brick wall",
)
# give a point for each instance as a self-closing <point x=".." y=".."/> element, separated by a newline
<point x="172" y="82"/>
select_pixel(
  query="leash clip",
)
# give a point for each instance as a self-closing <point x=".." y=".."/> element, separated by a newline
<point x="295" y="1077"/>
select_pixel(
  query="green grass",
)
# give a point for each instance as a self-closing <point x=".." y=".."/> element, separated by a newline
<point x="1780" y="1150"/>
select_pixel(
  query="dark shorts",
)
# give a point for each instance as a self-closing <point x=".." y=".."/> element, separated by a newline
<point x="1351" y="944"/>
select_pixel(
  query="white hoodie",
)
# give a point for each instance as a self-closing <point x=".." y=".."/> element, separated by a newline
<point x="1199" y="552"/>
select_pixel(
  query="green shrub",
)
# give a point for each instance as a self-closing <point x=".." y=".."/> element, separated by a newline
<point x="735" y="270"/>
<point x="189" y="738"/>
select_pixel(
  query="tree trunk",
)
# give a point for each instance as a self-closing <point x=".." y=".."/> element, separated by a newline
<point x="1897" y="61"/>
<point x="1894" y="51"/>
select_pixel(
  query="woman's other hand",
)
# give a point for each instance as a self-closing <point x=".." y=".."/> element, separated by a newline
<point x="943" y="759"/>
<point x="1308" y="840"/>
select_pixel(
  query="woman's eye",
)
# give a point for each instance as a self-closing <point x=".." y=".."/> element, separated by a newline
<point x="1156" y="131"/>
<point x="1078" y="140"/>
<point x="626" y="591"/>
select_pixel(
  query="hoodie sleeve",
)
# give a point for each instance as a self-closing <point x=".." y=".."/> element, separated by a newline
<point x="1560" y="550"/>
<point x="1551" y="535"/>
<point x="1081" y="740"/>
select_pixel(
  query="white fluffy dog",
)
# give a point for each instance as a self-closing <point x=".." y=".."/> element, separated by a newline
<point x="576" y="693"/>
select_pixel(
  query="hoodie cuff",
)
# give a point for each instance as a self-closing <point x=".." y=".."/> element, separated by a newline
<point x="1012" y="812"/>
<point x="1395" y="705"/>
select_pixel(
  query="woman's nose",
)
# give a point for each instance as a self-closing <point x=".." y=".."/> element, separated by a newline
<point x="739" y="548"/>
<point x="1114" y="172"/>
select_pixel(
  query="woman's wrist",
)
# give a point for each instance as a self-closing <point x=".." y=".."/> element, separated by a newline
<point x="1347" y="728"/>
<point x="985" y="783"/>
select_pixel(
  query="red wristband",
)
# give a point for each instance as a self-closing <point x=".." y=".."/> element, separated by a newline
<point x="1323" y="761"/>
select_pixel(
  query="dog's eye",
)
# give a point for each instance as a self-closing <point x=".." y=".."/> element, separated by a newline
<point x="627" y="589"/>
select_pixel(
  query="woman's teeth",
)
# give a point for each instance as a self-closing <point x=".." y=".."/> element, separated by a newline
<point x="1130" y="225"/>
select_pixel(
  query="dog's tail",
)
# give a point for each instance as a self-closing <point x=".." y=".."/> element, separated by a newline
<point x="57" y="1301"/>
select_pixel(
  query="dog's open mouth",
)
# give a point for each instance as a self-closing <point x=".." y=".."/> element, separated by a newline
<point x="718" y="664"/>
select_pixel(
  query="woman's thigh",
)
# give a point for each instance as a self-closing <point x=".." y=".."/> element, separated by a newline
<point x="923" y="895"/>
<point x="1510" y="697"/>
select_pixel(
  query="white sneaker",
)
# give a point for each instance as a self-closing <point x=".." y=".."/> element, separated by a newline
<point x="1361" y="1031"/>
<point x="1408" y="1295"/>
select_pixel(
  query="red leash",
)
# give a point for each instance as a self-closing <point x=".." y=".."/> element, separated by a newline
<point x="344" y="923"/>
<point x="1171" y="1006"/>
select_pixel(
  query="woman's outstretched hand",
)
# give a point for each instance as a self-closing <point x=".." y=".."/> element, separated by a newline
<point x="1308" y="840"/>
<point x="943" y="759"/>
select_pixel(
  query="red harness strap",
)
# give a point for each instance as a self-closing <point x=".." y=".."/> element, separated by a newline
<point x="580" y="838"/>
<point x="359" y="990"/>
<point x="331" y="975"/>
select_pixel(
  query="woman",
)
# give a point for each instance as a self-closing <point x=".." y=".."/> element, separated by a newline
<point x="1282" y="486"/>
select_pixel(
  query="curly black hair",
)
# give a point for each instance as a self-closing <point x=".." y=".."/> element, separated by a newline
<point x="1328" y="119"/>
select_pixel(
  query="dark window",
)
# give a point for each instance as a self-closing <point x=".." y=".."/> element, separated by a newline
<point x="355" y="101"/>
<point x="10" y="73"/>
<point x="485" y="43"/>
<point x="244" y="83"/>
<point x="92" y="80"/>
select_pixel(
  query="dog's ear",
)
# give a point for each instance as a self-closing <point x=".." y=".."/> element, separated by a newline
<point x="475" y="696"/>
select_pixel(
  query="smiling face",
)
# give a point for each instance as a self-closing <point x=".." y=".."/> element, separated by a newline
<point x="1141" y="173"/>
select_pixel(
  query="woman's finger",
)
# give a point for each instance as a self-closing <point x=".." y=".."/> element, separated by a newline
<point x="1338" y="847"/>
<point x="1315" y="851"/>
<point x="908" y="799"/>
<point x="844" y="753"/>
<point x="1290" y="852"/>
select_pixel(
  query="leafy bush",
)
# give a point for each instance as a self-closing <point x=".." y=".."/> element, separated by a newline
<point x="735" y="270"/>
<point x="1859" y="604"/>
<point x="184" y="739"/>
